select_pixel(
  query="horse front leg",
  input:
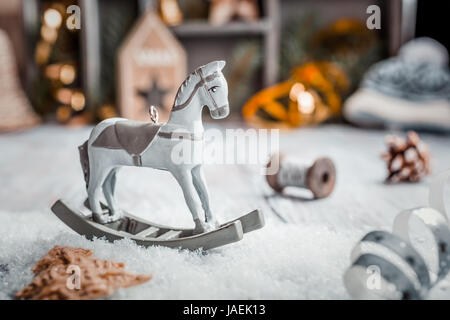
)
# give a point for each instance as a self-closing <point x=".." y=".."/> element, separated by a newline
<point x="198" y="178"/>
<point x="109" y="187"/>
<point x="184" y="179"/>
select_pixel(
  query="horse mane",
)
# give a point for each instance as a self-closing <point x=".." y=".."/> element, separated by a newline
<point x="188" y="86"/>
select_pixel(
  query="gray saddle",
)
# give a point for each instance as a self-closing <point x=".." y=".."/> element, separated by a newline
<point x="131" y="136"/>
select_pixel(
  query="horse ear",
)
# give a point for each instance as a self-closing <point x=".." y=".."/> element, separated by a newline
<point x="221" y="64"/>
<point x="213" y="66"/>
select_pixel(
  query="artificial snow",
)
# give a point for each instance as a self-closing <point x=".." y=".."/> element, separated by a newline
<point x="279" y="262"/>
<point x="301" y="253"/>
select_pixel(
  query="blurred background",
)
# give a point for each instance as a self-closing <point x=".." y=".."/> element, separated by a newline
<point x="290" y="63"/>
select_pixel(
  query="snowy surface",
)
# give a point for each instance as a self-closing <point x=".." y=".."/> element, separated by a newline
<point x="301" y="253"/>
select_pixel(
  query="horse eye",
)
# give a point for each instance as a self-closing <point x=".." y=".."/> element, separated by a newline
<point x="213" y="89"/>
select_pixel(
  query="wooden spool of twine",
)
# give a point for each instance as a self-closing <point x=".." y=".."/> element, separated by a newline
<point x="318" y="177"/>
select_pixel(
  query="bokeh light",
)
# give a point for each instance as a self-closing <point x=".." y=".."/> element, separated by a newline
<point x="77" y="101"/>
<point x="295" y="91"/>
<point x="67" y="74"/>
<point x="64" y="95"/>
<point x="52" y="18"/>
<point x="63" y="113"/>
<point x="52" y="71"/>
<point x="48" y="34"/>
<point x="305" y="101"/>
<point x="107" y="111"/>
<point x="42" y="52"/>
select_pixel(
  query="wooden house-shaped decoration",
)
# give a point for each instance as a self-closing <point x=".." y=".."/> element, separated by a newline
<point x="151" y="67"/>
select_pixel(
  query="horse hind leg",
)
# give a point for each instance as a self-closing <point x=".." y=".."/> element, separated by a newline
<point x="94" y="194"/>
<point x="109" y="186"/>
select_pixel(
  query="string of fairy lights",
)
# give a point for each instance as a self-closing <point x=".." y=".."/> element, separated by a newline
<point x="60" y="93"/>
<point x="62" y="75"/>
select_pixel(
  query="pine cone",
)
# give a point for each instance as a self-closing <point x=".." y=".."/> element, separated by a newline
<point x="407" y="160"/>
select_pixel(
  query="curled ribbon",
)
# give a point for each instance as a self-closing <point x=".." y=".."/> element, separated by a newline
<point x="387" y="266"/>
<point x="436" y="197"/>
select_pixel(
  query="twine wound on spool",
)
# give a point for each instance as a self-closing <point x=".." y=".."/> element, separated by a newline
<point x="319" y="177"/>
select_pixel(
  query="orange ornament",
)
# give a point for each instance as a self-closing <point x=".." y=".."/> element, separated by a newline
<point x="310" y="96"/>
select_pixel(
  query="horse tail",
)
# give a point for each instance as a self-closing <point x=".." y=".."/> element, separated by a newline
<point x="84" y="159"/>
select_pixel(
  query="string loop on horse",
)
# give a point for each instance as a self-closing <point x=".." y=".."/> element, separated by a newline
<point x="154" y="115"/>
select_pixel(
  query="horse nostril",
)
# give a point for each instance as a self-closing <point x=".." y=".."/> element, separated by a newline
<point x="224" y="111"/>
<point x="220" y="112"/>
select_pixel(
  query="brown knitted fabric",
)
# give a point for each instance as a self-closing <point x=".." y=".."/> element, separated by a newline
<point x="407" y="160"/>
<point x="56" y="272"/>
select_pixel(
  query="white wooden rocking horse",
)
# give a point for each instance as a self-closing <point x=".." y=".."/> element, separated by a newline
<point x="120" y="142"/>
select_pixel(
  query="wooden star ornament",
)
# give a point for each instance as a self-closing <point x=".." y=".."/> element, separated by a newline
<point x="154" y="95"/>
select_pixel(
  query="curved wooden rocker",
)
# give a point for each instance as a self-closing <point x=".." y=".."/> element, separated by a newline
<point x="146" y="233"/>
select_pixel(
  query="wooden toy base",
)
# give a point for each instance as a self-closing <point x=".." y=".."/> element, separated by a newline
<point x="146" y="233"/>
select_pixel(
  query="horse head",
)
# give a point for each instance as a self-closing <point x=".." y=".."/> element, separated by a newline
<point x="215" y="89"/>
<point x="207" y="87"/>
